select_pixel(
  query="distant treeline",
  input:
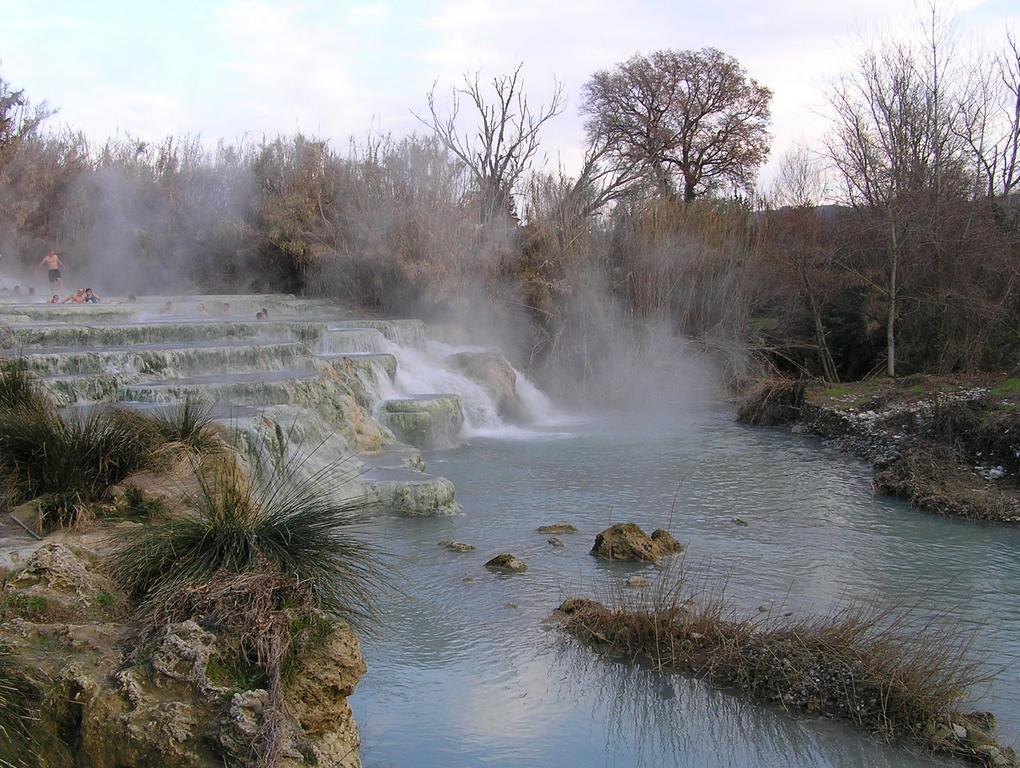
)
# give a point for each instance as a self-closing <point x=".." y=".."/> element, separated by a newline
<point x="659" y="235"/>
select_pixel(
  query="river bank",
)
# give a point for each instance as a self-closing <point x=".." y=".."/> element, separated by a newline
<point x="949" y="445"/>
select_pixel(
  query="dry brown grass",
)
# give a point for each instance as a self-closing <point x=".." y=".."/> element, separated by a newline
<point x="771" y="402"/>
<point x="255" y="617"/>
<point x="893" y="672"/>
<point x="931" y="478"/>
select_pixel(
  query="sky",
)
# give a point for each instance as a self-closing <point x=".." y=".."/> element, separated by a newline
<point x="243" y="70"/>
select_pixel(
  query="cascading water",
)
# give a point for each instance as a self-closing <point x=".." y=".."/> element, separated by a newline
<point x="341" y="340"/>
<point x="423" y="371"/>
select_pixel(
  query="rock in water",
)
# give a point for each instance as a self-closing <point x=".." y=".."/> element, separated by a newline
<point x="553" y="541"/>
<point x="426" y="421"/>
<point x="739" y="521"/>
<point x="506" y="562"/>
<point x="457" y="546"/>
<point x="626" y="541"/>
<point x="495" y="375"/>
<point x="637" y="581"/>
<point x="557" y="528"/>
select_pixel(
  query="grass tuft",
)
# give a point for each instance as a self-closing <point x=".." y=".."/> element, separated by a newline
<point x="263" y="561"/>
<point x="18" y="386"/>
<point x="272" y="522"/>
<point x="183" y="429"/>
<point x="66" y="463"/>
<point x="19" y="709"/>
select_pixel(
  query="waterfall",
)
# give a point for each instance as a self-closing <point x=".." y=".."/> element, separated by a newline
<point x="340" y="340"/>
<point x="421" y="370"/>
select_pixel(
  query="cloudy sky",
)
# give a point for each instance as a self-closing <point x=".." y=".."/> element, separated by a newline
<point x="335" y="69"/>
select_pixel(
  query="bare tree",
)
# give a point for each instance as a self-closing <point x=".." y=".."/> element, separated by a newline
<point x="694" y="120"/>
<point x="800" y="185"/>
<point x="989" y="120"/>
<point x="800" y="180"/>
<point x="505" y="141"/>
<point x="18" y="118"/>
<point x="896" y="151"/>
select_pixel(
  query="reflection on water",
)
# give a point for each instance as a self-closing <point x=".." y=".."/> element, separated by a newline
<point x="467" y="673"/>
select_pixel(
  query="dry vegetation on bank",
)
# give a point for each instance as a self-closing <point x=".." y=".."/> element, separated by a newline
<point x="893" y="673"/>
<point x="947" y="444"/>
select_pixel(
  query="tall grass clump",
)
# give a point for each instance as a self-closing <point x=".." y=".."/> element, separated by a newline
<point x="272" y="521"/>
<point x="19" y="705"/>
<point x="890" y="671"/>
<point x="68" y="464"/>
<point x="184" y="428"/>
<point x="18" y="388"/>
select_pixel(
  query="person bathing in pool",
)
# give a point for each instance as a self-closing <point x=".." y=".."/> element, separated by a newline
<point x="90" y="297"/>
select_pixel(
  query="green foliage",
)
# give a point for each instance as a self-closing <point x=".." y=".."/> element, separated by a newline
<point x="109" y="601"/>
<point x="69" y="463"/>
<point x="14" y="604"/>
<point x="1010" y="386"/>
<point x="136" y="504"/>
<point x="275" y="522"/>
<point x="235" y="672"/>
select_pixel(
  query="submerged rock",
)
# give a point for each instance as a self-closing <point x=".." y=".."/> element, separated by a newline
<point x="637" y="581"/>
<point x="557" y="528"/>
<point x="506" y="562"/>
<point x="626" y="541"/>
<point x="739" y="521"/>
<point x="457" y="546"/>
<point x="553" y="541"/>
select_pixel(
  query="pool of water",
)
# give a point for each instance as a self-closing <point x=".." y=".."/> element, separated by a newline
<point x="466" y="671"/>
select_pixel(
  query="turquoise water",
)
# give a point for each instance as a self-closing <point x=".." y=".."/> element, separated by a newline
<point x="467" y="672"/>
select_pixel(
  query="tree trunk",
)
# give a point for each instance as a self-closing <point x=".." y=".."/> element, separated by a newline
<point x="689" y="190"/>
<point x="890" y="328"/>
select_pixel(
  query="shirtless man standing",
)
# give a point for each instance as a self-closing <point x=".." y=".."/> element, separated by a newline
<point x="53" y="263"/>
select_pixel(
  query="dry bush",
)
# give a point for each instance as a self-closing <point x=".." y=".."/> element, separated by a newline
<point x="772" y="402"/>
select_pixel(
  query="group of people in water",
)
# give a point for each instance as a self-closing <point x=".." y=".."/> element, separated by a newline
<point x="81" y="296"/>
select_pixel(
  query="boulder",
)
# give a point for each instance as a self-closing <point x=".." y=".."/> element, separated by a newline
<point x="557" y="528"/>
<point x="182" y="654"/>
<point x="325" y="677"/>
<point x="424" y="421"/>
<point x="56" y="568"/>
<point x="457" y="546"/>
<point x="492" y="372"/>
<point x="506" y="562"/>
<point x="58" y="584"/>
<point x="626" y="541"/>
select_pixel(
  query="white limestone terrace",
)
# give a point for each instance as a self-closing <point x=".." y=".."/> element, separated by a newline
<point x="314" y="375"/>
